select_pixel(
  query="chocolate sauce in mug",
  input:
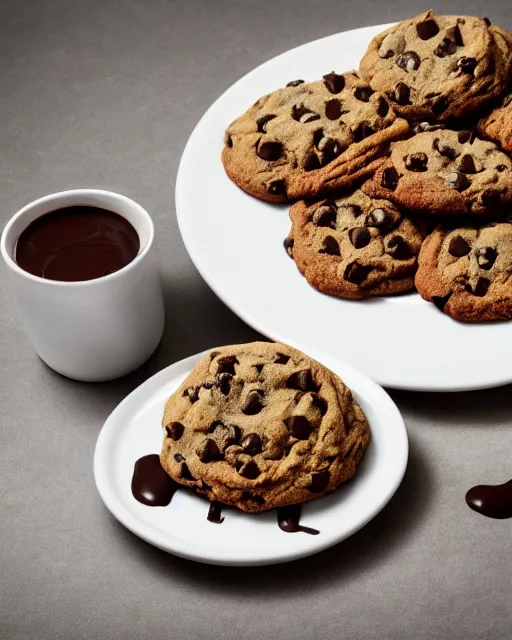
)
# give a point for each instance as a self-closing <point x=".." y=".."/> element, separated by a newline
<point x="77" y="243"/>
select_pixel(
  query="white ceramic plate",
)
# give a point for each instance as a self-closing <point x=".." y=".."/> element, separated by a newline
<point x="236" y="243"/>
<point x="134" y="430"/>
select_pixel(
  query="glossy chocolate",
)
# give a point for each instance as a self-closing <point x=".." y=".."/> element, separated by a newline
<point x="150" y="483"/>
<point x="493" y="501"/>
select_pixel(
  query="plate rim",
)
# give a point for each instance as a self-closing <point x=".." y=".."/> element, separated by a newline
<point x="130" y="521"/>
<point x="425" y="385"/>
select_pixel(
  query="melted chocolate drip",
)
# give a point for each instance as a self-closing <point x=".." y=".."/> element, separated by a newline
<point x="493" y="501"/>
<point x="215" y="512"/>
<point x="288" y="520"/>
<point x="150" y="483"/>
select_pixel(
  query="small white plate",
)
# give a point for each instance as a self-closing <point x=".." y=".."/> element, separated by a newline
<point x="236" y="242"/>
<point x="134" y="430"/>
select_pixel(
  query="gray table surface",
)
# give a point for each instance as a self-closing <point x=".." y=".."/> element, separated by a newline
<point x="105" y="93"/>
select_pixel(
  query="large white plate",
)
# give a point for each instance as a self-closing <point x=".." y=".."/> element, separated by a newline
<point x="236" y="241"/>
<point x="134" y="430"/>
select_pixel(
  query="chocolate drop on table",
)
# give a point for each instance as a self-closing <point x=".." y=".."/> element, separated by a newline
<point x="75" y="244"/>
<point x="150" y="483"/>
<point x="493" y="501"/>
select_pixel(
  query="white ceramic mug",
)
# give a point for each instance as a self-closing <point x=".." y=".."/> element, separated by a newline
<point x="94" y="330"/>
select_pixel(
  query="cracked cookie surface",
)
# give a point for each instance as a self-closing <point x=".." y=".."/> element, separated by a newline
<point x="439" y="67"/>
<point x="467" y="271"/>
<point x="310" y="138"/>
<point x="354" y="246"/>
<point x="445" y="172"/>
<point x="262" y="425"/>
<point x="498" y="124"/>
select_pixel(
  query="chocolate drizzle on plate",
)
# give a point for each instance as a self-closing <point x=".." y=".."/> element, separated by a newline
<point x="150" y="483"/>
<point x="215" y="512"/>
<point x="288" y="520"/>
<point x="153" y="487"/>
<point x="493" y="501"/>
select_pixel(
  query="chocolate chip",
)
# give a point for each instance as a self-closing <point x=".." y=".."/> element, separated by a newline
<point x="457" y="181"/>
<point x="401" y="94"/>
<point x="440" y="301"/>
<point x="359" y="237"/>
<point x="408" y="61"/>
<point x="356" y="273"/>
<point x="302" y="114"/>
<point x="319" y="481"/>
<point x="277" y="188"/>
<point x="363" y="93"/>
<point x="416" y="162"/>
<point x="225" y="434"/>
<point x="486" y="257"/>
<point x="464" y="136"/>
<point x="362" y="131"/>
<point x="427" y="29"/>
<point x="251" y="444"/>
<point x="386" y="53"/>
<point x="458" y="247"/>
<point x="227" y="364"/>
<point x="295" y="83"/>
<point x="312" y="162"/>
<point x="288" y="246"/>
<point x="467" y="164"/>
<point x="208" y="451"/>
<point x="330" y="246"/>
<point x="451" y="41"/>
<point x="466" y="65"/>
<point x="318" y="137"/>
<point x="325" y="216"/>
<point x="249" y="470"/>
<point x="382" y="219"/>
<point x="334" y="82"/>
<point x="185" y="472"/>
<point x="223" y="381"/>
<point x="261" y="122"/>
<point x="333" y="109"/>
<point x="252" y="497"/>
<point x="229" y="141"/>
<point x="331" y="150"/>
<point x="175" y="430"/>
<point x="390" y="178"/>
<point x="299" y="427"/>
<point x="178" y="457"/>
<point x="487" y="21"/>
<point x="382" y="107"/>
<point x="281" y="358"/>
<point x="270" y="151"/>
<point x="501" y="168"/>
<point x="399" y="248"/>
<point x="253" y="403"/>
<point x="490" y="198"/>
<point x="192" y="393"/>
<point x="480" y="289"/>
<point x="444" y="149"/>
<point x="302" y="381"/>
<point x="320" y="403"/>
<point x="439" y="106"/>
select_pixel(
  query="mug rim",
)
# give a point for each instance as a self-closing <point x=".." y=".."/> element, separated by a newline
<point x="12" y="264"/>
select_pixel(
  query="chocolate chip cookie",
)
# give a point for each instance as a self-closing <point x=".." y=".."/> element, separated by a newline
<point x="466" y="271"/>
<point x="309" y="138"/>
<point x="262" y="425"/>
<point x="497" y="125"/>
<point x="445" y="172"/>
<point x="354" y="246"/>
<point x="439" y="67"/>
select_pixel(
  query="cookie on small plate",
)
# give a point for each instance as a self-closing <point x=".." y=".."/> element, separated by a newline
<point x="445" y="172"/>
<point x="309" y="138"/>
<point x="497" y="125"/>
<point x="354" y="246"/>
<point x="467" y="271"/>
<point x="439" y="67"/>
<point x="262" y="425"/>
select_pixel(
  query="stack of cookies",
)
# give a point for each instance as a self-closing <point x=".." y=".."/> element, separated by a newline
<point x="400" y="174"/>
